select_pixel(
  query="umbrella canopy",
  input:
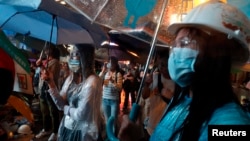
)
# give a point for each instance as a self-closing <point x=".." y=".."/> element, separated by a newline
<point x="140" y="47"/>
<point x="120" y="54"/>
<point x="38" y="44"/>
<point x="40" y="21"/>
<point x="134" y="17"/>
<point x="21" y="107"/>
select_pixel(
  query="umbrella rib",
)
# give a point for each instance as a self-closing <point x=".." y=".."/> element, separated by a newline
<point x="98" y="13"/>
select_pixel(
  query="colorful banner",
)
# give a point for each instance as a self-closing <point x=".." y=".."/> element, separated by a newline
<point x="14" y="52"/>
<point x="23" y="79"/>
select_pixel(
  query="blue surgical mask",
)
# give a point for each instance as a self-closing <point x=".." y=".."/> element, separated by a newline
<point x="109" y="65"/>
<point x="74" y="65"/>
<point x="181" y="65"/>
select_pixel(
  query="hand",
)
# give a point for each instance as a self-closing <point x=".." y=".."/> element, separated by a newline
<point x="66" y="110"/>
<point x="104" y="67"/>
<point x="48" y="77"/>
<point x="111" y="80"/>
<point x="248" y="85"/>
<point x="38" y="62"/>
<point x="167" y="93"/>
<point x="44" y="74"/>
<point x="129" y="130"/>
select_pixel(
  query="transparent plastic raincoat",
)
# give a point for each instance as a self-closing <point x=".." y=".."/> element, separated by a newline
<point x="81" y="105"/>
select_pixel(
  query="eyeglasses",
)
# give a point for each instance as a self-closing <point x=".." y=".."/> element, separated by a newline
<point x="185" y="42"/>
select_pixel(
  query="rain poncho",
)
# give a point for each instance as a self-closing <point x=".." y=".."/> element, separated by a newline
<point x="81" y="104"/>
<point x="229" y="114"/>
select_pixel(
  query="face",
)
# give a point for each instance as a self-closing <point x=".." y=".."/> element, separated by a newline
<point x="183" y="56"/>
<point x="113" y="65"/>
<point x="185" y="38"/>
<point x="74" y="61"/>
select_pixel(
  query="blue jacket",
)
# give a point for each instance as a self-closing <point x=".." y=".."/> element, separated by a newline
<point x="229" y="114"/>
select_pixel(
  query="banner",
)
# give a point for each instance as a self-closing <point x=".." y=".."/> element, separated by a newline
<point x="14" y="52"/>
<point x="23" y="79"/>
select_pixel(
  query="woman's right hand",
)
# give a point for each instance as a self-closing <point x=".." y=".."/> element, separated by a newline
<point x="45" y="74"/>
<point x="48" y="77"/>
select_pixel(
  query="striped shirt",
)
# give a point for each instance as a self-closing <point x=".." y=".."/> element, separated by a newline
<point x="112" y="85"/>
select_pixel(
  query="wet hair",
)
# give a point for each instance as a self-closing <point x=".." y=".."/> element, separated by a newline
<point x="211" y="84"/>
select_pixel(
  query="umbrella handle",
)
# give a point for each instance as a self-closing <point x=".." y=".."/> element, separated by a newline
<point x="132" y="116"/>
<point x="134" y="112"/>
<point x="109" y="128"/>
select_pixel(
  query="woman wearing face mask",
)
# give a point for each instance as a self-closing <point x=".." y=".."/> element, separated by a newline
<point x="112" y="85"/>
<point x="80" y="97"/>
<point x="200" y="62"/>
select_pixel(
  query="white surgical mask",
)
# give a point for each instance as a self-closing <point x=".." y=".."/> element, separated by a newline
<point x="181" y="65"/>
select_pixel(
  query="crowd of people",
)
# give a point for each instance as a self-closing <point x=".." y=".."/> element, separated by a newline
<point x="187" y="89"/>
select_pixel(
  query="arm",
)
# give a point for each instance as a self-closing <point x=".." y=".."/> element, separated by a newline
<point x="53" y="66"/>
<point x="130" y="131"/>
<point x="89" y="98"/>
<point x="55" y="95"/>
<point x="104" y="70"/>
<point x="147" y="87"/>
<point x="118" y="83"/>
<point x="59" y="100"/>
<point x="115" y="83"/>
<point x="146" y="91"/>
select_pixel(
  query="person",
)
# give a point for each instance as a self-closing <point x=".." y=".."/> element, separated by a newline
<point x="36" y="79"/>
<point x="157" y="93"/>
<point x="50" y="113"/>
<point x="64" y="73"/>
<point x="200" y="62"/>
<point x="129" y="88"/>
<point x="80" y="97"/>
<point x="130" y="85"/>
<point x="112" y="85"/>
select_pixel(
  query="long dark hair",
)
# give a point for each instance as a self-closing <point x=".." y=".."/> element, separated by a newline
<point x="87" y="58"/>
<point x="211" y="85"/>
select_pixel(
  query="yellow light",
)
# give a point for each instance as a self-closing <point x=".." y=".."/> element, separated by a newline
<point x="197" y="2"/>
<point x="132" y="53"/>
